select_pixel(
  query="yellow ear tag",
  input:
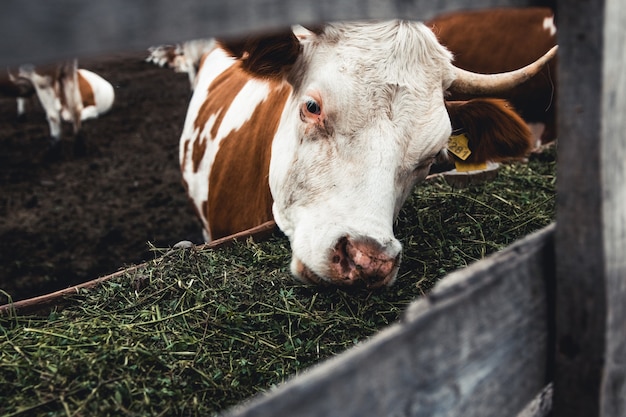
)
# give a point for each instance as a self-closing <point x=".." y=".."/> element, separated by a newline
<point x="465" y="167"/>
<point x="457" y="144"/>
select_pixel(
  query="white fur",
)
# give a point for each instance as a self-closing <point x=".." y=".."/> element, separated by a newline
<point x="548" y="24"/>
<point x="189" y="59"/>
<point x="46" y="89"/>
<point x="382" y="86"/>
<point x="104" y="95"/>
<point x="159" y="55"/>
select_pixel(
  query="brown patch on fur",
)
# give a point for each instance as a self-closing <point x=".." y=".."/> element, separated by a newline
<point x="199" y="148"/>
<point x="222" y="93"/>
<point x="267" y="55"/>
<point x="494" y="130"/>
<point x="202" y="59"/>
<point x="170" y="53"/>
<point x="239" y="193"/>
<point x="86" y="91"/>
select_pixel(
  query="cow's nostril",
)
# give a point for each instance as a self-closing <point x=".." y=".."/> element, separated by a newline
<point x="363" y="259"/>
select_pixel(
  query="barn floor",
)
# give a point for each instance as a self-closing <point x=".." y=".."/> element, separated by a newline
<point x="91" y="206"/>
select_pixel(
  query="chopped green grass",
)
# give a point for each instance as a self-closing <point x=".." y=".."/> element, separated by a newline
<point x="196" y="331"/>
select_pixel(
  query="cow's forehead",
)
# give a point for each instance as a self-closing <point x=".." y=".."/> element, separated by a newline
<point x="391" y="52"/>
<point x="370" y="75"/>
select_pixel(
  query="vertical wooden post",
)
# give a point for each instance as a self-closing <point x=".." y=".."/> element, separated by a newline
<point x="613" y="393"/>
<point x="590" y="357"/>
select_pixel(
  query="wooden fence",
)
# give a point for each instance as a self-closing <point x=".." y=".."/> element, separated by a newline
<point x="548" y="313"/>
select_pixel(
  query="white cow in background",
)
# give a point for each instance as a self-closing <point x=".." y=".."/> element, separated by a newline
<point x="182" y="58"/>
<point x="65" y="92"/>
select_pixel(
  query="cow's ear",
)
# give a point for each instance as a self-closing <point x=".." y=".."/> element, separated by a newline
<point x="494" y="131"/>
<point x="269" y="55"/>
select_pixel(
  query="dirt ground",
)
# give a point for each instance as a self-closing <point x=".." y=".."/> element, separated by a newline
<point x="91" y="206"/>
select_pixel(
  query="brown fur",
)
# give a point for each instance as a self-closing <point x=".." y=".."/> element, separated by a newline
<point x="86" y="91"/>
<point x="498" y="40"/>
<point x="239" y="195"/>
<point x="494" y="130"/>
<point x="267" y="55"/>
<point x="199" y="148"/>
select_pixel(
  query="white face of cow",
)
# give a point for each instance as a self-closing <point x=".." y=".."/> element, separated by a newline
<point x="364" y="122"/>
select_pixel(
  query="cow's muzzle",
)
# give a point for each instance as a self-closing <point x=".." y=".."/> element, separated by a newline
<point x="356" y="261"/>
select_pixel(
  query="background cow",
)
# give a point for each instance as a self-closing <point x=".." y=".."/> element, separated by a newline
<point x="328" y="131"/>
<point x="498" y="40"/>
<point x="65" y="92"/>
<point x="182" y="58"/>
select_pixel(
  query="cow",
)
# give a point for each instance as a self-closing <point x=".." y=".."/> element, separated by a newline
<point x="65" y="92"/>
<point x="182" y="58"/>
<point x="328" y="131"/>
<point x="499" y="40"/>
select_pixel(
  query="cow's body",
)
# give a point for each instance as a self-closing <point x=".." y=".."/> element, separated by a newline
<point x="65" y="92"/>
<point x="229" y="118"/>
<point x="498" y="40"/>
<point x="327" y="133"/>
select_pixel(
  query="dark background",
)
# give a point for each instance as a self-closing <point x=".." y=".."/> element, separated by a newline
<point x="91" y="205"/>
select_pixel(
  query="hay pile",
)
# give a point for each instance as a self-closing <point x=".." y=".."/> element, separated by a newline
<point x="196" y="331"/>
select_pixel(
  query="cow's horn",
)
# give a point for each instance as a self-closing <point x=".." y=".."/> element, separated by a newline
<point x="467" y="82"/>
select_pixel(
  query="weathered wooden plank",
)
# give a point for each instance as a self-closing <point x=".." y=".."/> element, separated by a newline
<point x="590" y="377"/>
<point x="613" y="396"/>
<point x="43" y="30"/>
<point x="476" y="346"/>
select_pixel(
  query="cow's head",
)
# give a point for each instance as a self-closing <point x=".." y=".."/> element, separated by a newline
<point x="166" y="55"/>
<point x="366" y="118"/>
<point x="182" y="58"/>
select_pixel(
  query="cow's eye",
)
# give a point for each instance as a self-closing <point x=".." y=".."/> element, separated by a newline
<point x="313" y="107"/>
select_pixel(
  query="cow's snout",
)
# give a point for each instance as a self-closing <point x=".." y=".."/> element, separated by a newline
<point x="364" y="260"/>
<point x="353" y="261"/>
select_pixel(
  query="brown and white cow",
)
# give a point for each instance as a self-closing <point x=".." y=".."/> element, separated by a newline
<point x="65" y="92"/>
<point x="182" y="58"/>
<point x="499" y="40"/>
<point x="328" y="131"/>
